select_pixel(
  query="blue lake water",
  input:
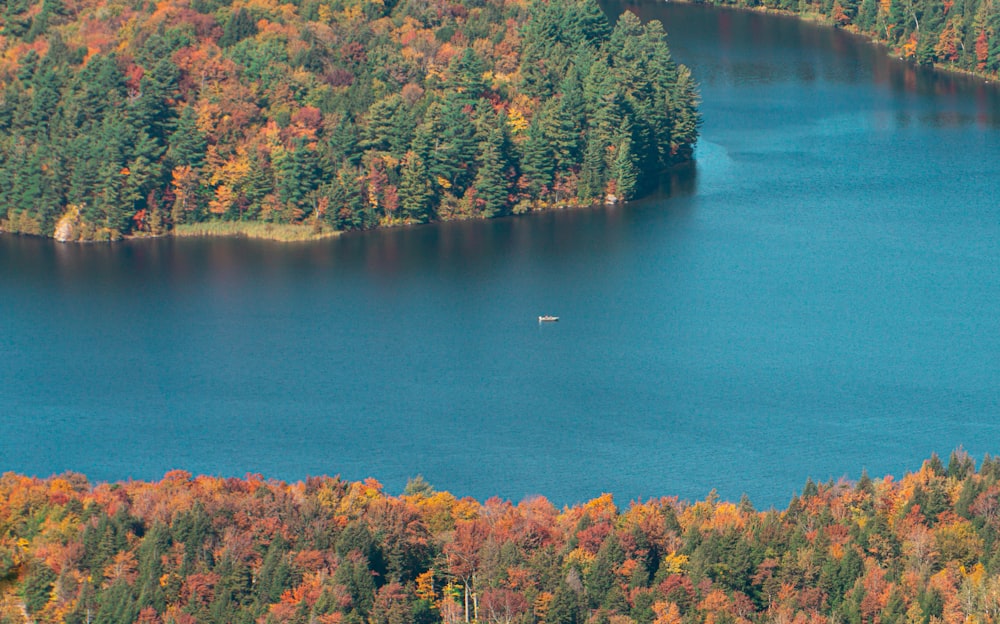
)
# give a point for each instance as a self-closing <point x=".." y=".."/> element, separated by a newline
<point x="820" y="294"/>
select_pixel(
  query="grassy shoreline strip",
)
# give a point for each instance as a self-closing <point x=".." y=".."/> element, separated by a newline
<point x="285" y="233"/>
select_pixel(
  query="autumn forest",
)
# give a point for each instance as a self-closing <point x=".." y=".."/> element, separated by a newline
<point x="922" y="549"/>
<point x="136" y="117"/>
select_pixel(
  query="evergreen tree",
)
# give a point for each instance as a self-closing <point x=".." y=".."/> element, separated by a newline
<point x="602" y="576"/>
<point x="491" y="184"/>
<point x="586" y="22"/>
<point x="187" y="143"/>
<point x="155" y="545"/>
<point x="349" y="212"/>
<point x="116" y="604"/>
<point x="565" y="606"/>
<point x="238" y="27"/>
<point x="592" y="174"/>
<point x="260" y="181"/>
<point x="390" y="126"/>
<point x="684" y="115"/>
<point x="465" y="81"/>
<point x="454" y="147"/>
<point x="44" y="101"/>
<point x="624" y="170"/>
<point x="298" y="176"/>
<point x="143" y="171"/>
<point x="563" y="133"/>
<point x="38" y="587"/>
<point x="536" y="78"/>
<point x="103" y="87"/>
<point x="30" y="183"/>
<point x="537" y="159"/>
<point x="151" y="110"/>
<point x="416" y="195"/>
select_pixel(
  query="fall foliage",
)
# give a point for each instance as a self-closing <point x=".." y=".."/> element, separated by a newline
<point x="132" y="117"/>
<point x="923" y="548"/>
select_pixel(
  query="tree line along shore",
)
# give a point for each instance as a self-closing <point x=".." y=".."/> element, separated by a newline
<point x="200" y="117"/>
<point x="922" y="549"/>
<point x="954" y="35"/>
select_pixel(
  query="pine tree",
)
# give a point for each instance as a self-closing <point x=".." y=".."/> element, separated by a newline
<point x="260" y="182"/>
<point x="102" y="87"/>
<point x="684" y="115"/>
<point x="109" y="204"/>
<point x="145" y="169"/>
<point x="348" y="210"/>
<point x="390" y="126"/>
<point x="30" y="184"/>
<point x="465" y="77"/>
<point x="491" y="185"/>
<point x="51" y="201"/>
<point x="454" y="147"/>
<point x="187" y="143"/>
<point x="238" y="27"/>
<point x="6" y="184"/>
<point x="592" y="173"/>
<point x="38" y="587"/>
<point x="45" y="100"/>
<point x="117" y="604"/>
<point x="562" y="132"/>
<point x="416" y="194"/>
<point x="298" y="176"/>
<point x="587" y="22"/>
<point x="154" y="545"/>
<point x="27" y="66"/>
<point x="537" y="159"/>
<point x="151" y="109"/>
<point x="536" y="78"/>
<point x="624" y="171"/>
<point x="565" y="606"/>
<point x="602" y="575"/>
<point x="343" y="144"/>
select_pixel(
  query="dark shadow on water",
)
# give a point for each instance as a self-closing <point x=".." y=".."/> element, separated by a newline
<point x="458" y="248"/>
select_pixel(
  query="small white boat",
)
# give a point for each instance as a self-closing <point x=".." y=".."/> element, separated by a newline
<point x="548" y="319"/>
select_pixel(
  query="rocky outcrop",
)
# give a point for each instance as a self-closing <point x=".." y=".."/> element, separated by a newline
<point x="68" y="225"/>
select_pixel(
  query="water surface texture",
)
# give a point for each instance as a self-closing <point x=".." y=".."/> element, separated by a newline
<point x="820" y="294"/>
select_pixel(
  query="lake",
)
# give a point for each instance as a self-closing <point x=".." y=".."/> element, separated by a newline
<point x="818" y="295"/>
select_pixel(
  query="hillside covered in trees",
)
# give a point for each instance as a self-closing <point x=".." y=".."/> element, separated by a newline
<point x="123" y="117"/>
<point x="923" y="549"/>
<point x="961" y="35"/>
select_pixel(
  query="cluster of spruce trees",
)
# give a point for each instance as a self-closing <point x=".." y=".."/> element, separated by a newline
<point x="958" y="34"/>
<point x="921" y="550"/>
<point x="122" y="117"/>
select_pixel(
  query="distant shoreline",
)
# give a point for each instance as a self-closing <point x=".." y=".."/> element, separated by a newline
<point x="824" y="20"/>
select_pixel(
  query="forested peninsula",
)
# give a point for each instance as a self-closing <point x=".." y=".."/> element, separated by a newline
<point x="959" y="35"/>
<point x="920" y="550"/>
<point x="138" y="117"/>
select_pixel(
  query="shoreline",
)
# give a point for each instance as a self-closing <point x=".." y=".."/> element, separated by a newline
<point x="305" y="233"/>
<point x="851" y="29"/>
<point x="275" y="232"/>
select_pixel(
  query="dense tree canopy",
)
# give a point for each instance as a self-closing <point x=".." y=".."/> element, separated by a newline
<point x="923" y="549"/>
<point x="123" y="117"/>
